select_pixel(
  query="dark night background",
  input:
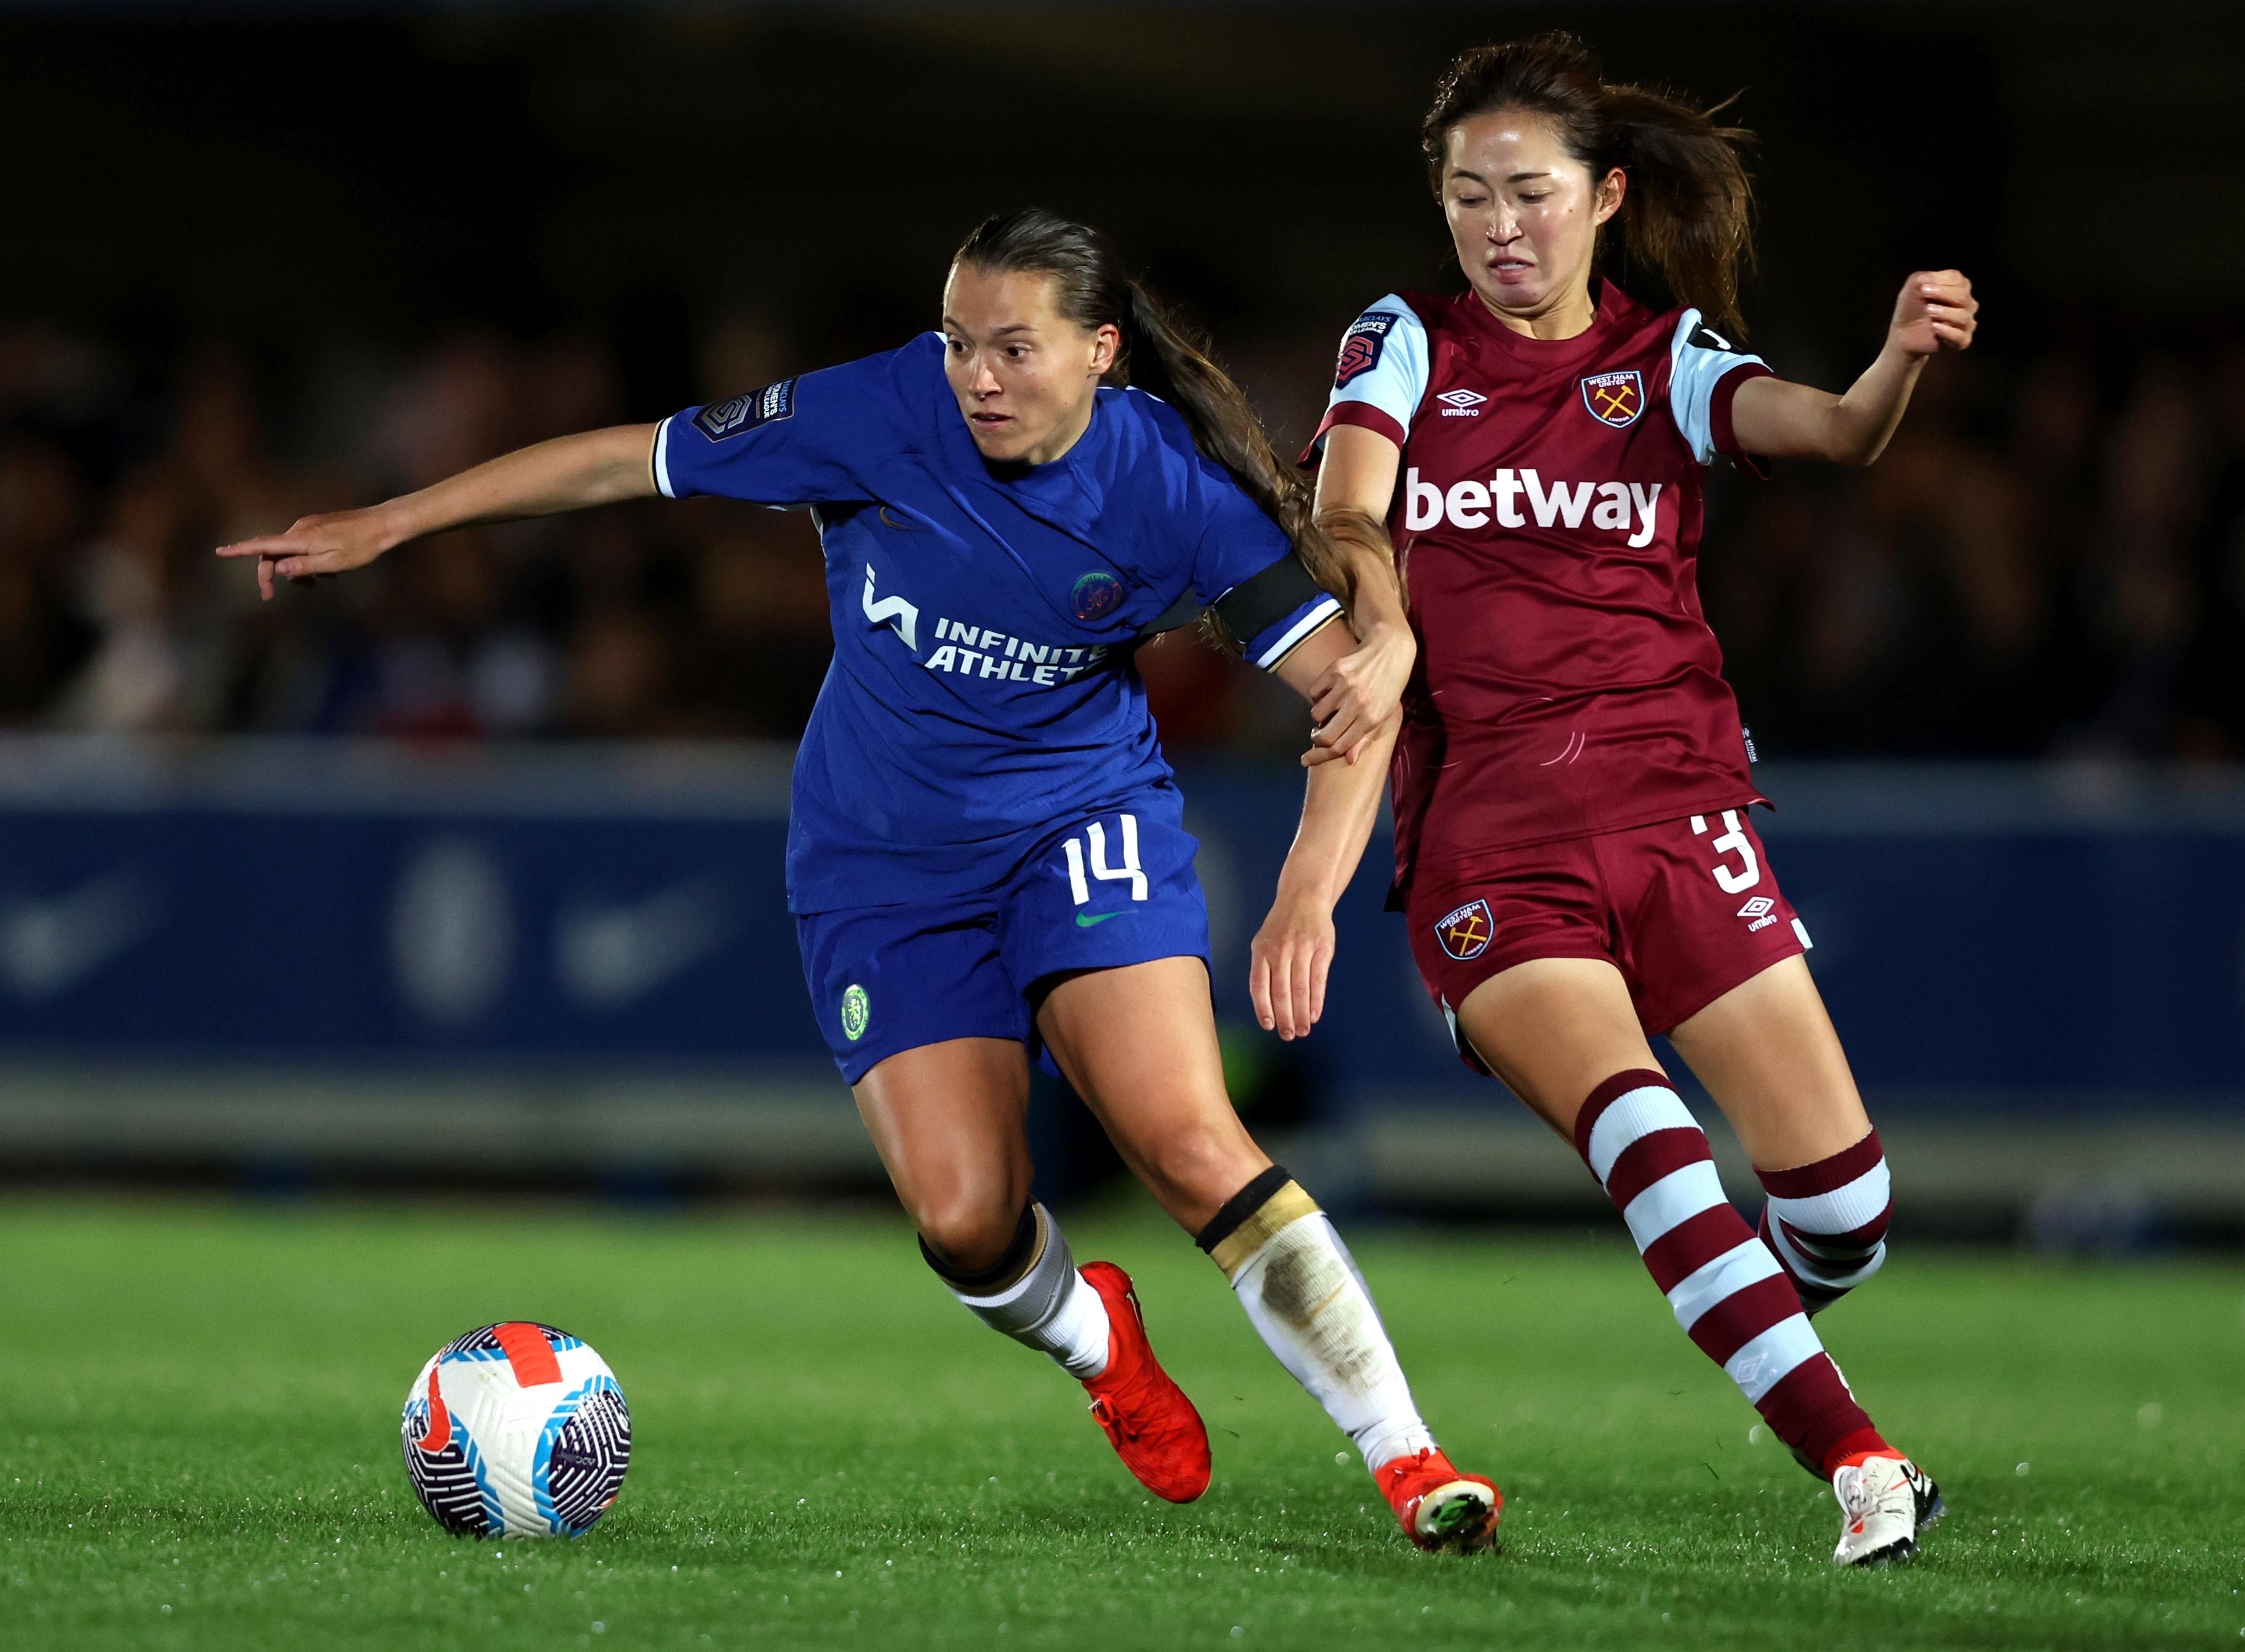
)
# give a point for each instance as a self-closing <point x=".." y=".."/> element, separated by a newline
<point x="272" y="261"/>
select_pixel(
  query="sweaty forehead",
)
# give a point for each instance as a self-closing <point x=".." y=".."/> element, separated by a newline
<point x="1496" y="145"/>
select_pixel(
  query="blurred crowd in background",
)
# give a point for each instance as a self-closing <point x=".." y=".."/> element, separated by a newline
<point x="2049" y="560"/>
<point x="209" y="326"/>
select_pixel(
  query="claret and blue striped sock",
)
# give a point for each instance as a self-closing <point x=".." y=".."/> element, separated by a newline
<point x="1726" y="1288"/>
<point x="1826" y="1222"/>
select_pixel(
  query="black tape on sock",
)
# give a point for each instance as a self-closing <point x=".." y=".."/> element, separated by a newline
<point x="1019" y="1255"/>
<point x="1242" y="1205"/>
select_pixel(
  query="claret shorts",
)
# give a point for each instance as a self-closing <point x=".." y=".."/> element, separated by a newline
<point x="1687" y="910"/>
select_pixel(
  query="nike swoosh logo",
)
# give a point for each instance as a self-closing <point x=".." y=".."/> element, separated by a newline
<point x="48" y="946"/>
<point x="609" y="955"/>
<point x="1085" y="920"/>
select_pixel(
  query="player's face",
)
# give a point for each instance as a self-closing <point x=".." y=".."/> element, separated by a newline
<point x="1524" y="216"/>
<point x="1025" y="376"/>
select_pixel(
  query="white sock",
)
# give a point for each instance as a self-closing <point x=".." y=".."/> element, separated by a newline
<point x="1046" y="1305"/>
<point x="1307" y="1301"/>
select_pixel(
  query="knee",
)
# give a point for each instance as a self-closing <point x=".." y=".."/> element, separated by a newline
<point x="968" y="1229"/>
<point x="1199" y="1169"/>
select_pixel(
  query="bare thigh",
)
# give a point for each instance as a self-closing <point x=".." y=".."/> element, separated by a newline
<point x="1554" y="1029"/>
<point x="1768" y="1054"/>
<point x="1139" y="1044"/>
<point x="949" y="1120"/>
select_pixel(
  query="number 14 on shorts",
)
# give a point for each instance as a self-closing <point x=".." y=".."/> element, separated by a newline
<point x="1095" y="834"/>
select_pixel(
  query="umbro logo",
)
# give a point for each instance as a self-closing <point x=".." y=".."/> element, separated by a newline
<point x="1462" y="404"/>
<point x="1756" y="907"/>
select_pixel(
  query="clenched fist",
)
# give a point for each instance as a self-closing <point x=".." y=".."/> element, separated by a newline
<point x="1935" y="312"/>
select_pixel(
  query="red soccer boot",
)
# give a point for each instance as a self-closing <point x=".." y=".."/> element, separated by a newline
<point x="1153" y="1426"/>
<point x="1440" y="1507"/>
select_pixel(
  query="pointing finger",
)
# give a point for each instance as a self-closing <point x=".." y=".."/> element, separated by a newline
<point x="265" y="545"/>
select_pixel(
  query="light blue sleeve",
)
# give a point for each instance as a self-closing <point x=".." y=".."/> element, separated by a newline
<point x="1700" y="361"/>
<point x="1381" y="375"/>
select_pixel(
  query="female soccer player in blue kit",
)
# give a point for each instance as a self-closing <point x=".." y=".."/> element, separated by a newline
<point x="986" y="855"/>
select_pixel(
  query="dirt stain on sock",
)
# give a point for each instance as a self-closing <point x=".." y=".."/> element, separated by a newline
<point x="1311" y="1289"/>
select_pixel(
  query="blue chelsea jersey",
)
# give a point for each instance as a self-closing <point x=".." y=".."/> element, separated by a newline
<point x="983" y="686"/>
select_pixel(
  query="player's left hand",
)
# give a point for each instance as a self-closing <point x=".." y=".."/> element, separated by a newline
<point x="1290" y="956"/>
<point x="1358" y="692"/>
<point x="1935" y="312"/>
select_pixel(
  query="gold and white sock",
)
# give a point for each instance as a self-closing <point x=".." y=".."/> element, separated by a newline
<point x="1309" y="1304"/>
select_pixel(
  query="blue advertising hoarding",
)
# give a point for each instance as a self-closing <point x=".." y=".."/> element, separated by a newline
<point x="1987" y="939"/>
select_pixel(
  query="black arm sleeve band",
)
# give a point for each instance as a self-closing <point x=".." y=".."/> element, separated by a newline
<point x="1256" y="603"/>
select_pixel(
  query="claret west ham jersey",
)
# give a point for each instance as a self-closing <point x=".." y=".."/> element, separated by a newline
<point x="1547" y="520"/>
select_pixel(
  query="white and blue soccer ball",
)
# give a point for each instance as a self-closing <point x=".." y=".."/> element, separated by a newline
<point x="517" y="1430"/>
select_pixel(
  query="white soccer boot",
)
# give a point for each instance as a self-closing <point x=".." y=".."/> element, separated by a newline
<point x="1884" y="1503"/>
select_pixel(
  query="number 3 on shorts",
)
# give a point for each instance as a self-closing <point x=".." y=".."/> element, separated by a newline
<point x="1734" y="837"/>
<point x="1130" y="869"/>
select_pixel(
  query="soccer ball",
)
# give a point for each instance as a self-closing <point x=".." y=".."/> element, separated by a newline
<point x="516" y="1431"/>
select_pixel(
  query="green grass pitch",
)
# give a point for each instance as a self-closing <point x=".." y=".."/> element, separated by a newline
<point x="199" y="1449"/>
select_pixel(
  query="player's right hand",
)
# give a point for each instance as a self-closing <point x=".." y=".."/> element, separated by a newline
<point x="317" y="547"/>
<point x="1288" y="962"/>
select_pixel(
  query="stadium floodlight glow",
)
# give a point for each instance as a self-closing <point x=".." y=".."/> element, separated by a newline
<point x="516" y="1430"/>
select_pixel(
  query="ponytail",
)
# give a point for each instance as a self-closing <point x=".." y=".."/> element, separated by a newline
<point x="1163" y="357"/>
<point x="1687" y="215"/>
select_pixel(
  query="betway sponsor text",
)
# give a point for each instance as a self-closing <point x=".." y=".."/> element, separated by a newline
<point x="1617" y="507"/>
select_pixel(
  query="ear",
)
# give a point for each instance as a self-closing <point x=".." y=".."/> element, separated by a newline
<point x="1611" y="188"/>
<point x="1106" y="345"/>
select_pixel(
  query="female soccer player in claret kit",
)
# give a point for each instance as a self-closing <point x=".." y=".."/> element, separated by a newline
<point x="1571" y="783"/>
<point x="986" y="852"/>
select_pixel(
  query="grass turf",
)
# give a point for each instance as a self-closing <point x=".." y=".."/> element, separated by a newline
<point x="199" y="1449"/>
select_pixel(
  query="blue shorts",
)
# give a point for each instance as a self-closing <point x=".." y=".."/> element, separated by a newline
<point x="1097" y="892"/>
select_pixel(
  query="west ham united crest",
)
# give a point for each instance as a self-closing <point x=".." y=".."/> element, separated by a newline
<point x="1465" y="933"/>
<point x="1615" y="398"/>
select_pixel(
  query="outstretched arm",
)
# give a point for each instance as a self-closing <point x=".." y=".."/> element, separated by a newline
<point x="1294" y="951"/>
<point x="568" y="473"/>
<point x="1779" y="420"/>
<point x="1360" y="689"/>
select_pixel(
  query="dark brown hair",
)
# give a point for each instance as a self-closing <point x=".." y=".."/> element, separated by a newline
<point x="1688" y="213"/>
<point x="1161" y="356"/>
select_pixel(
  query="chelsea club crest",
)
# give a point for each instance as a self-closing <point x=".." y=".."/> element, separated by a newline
<point x="1095" y="596"/>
